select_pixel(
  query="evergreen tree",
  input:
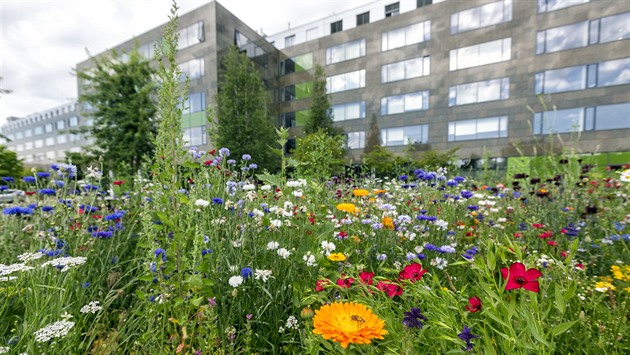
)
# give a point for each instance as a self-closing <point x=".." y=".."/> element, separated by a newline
<point x="10" y="165"/>
<point x="374" y="136"/>
<point x="321" y="117"/>
<point x="121" y="97"/>
<point x="243" y="118"/>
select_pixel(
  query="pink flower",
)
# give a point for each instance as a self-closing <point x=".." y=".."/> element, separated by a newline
<point x="412" y="272"/>
<point x="345" y="282"/>
<point x="518" y="277"/>
<point x="366" y="277"/>
<point x="474" y="304"/>
<point x="391" y="289"/>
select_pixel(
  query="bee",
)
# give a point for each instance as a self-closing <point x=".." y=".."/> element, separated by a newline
<point x="358" y="319"/>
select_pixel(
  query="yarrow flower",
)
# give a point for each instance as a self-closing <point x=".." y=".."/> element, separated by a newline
<point x="66" y="263"/>
<point x="348" y="323"/>
<point x="55" y="330"/>
<point x="202" y="203"/>
<point x="91" y="307"/>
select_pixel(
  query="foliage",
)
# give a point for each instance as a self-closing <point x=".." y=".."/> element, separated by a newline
<point x="319" y="155"/>
<point x="121" y="95"/>
<point x="373" y="141"/>
<point x="82" y="161"/>
<point x="10" y="165"/>
<point x="321" y="117"/>
<point x="243" y="119"/>
<point x="380" y="160"/>
<point x="434" y="159"/>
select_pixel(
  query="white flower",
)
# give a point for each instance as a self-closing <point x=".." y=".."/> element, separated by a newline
<point x="249" y="187"/>
<point x="439" y="263"/>
<point x="275" y="223"/>
<point x="258" y="213"/>
<point x="91" y="307"/>
<point x="265" y="187"/>
<point x="263" y="275"/>
<point x="55" y="330"/>
<point x="284" y="253"/>
<point x="294" y="183"/>
<point x="292" y="322"/>
<point x="66" y="263"/>
<point x="309" y="259"/>
<point x="4" y="349"/>
<point x="625" y="175"/>
<point x="202" y="203"/>
<point x="9" y="269"/>
<point x="94" y="173"/>
<point x="298" y="193"/>
<point x="328" y="247"/>
<point x="273" y="245"/>
<point x="441" y="224"/>
<point x="8" y="278"/>
<point x="237" y="243"/>
<point x="236" y="281"/>
<point x="26" y="257"/>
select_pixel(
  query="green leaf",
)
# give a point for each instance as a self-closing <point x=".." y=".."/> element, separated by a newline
<point x="560" y="304"/>
<point x="562" y="327"/>
<point x="197" y="301"/>
<point x="269" y="179"/>
<point x="491" y="259"/>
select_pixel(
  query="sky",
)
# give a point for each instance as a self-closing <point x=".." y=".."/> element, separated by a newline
<point x="42" y="40"/>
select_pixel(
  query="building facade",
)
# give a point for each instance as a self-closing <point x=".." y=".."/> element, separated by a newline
<point x="495" y="78"/>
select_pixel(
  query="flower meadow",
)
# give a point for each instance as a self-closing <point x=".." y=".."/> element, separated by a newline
<point x="226" y="260"/>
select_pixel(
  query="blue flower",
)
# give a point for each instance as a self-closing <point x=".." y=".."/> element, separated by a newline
<point x="403" y="177"/>
<point x="452" y="183"/>
<point x="102" y="234"/>
<point x="29" y="179"/>
<point x="88" y="208"/>
<point x="429" y="246"/>
<point x="466" y="194"/>
<point x="467" y="336"/>
<point x="43" y="174"/>
<point x="17" y="211"/>
<point x="55" y="167"/>
<point x="3" y="187"/>
<point x="446" y="249"/>
<point x="47" y="208"/>
<point x="59" y="183"/>
<point x="224" y="152"/>
<point x="205" y="251"/>
<point x="231" y="161"/>
<point x="459" y="178"/>
<point x="253" y="166"/>
<point x="414" y="318"/>
<point x="247" y="157"/>
<point x="8" y="179"/>
<point x="47" y="192"/>
<point x="473" y="208"/>
<point x="115" y="216"/>
<point x="86" y="284"/>
<point x="217" y="201"/>
<point x="246" y="272"/>
<point x="159" y="251"/>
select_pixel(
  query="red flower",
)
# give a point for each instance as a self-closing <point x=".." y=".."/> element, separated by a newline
<point x="119" y="182"/>
<point x="564" y="253"/>
<point x="391" y="289"/>
<point x="538" y="225"/>
<point x="30" y="193"/>
<point x="474" y="304"/>
<point x="412" y="272"/>
<point x="518" y="277"/>
<point x="208" y="162"/>
<point x="552" y="243"/>
<point x="546" y="235"/>
<point x="319" y="286"/>
<point x="212" y="152"/>
<point x="518" y="235"/>
<point x="366" y="277"/>
<point x="345" y="282"/>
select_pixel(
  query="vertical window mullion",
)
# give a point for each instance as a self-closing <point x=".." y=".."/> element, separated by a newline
<point x="593" y="33"/>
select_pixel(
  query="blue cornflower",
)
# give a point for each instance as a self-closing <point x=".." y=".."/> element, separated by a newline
<point x="3" y="187"/>
<point x="403" y="177"/>
<point x="86" y="284"/>
<point x="159" y="251"/>
<point x="55" y="167"/>
<point x="429" y="246"/>
<point x="47" y="208"/>
<point x="247" y="157"/>
<point x="253" y="166"/>
<point x="467" y="336"/>
<point x="205" y="251"/>
<point x="43" y="174"/>
<point x="8" y="179"/>
<point x="29" y="179"/>
<point x="381" y="257"/>
<point x="410" y="256"/>
<point x="224" y="152"/>
<point x="246" y="272"/>
<point x="88" y="208"/>
<point x="414" y="318"/>
<point x="217" y="201"/>
<point x="421" y="256"/>
<point x="89" y="187"/>
<point x="115" y="216"/>
<point x="153" y="266"/>
<point x="466" y="194"/>
<point x="446" y="249"/>
<point x="452" y="183"/>
<point x="17" y="211"/>
<point x="230" y="187"/>
<point x="59" y="183"/>
<point x="102" y="234"/>
<point x="473" y="208"/>
<point x="67" y="169"/>
<point x="619" y="226"/>
<point x="459" y="178"/>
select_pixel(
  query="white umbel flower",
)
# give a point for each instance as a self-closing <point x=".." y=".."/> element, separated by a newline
<point x="202" y="203"/>
<point x="9" y="269"/>
<point x="55" y="330"/>
<point x="26" y="257"/>
<point x="91" y="307"/>
<point x="66" y="263"/>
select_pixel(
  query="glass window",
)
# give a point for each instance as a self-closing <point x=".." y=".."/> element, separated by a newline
<point x="405" y="135"/>
<point x="28" y="133"/>
<point x="346" y="81"/>
<point x="615" y="28"/>
<point x="345" y="51"/>
<point x="481" y="91"/>
<point x="296" y="64"/>
<point x="348" y="111"/>
<point x="28" y="145"/>
<point x="552" y="5"/>
<point x="193" y="69"/>
<point x="612" y="116"/>
<point x="356" y="140"/>
<point x="289" y="40"/>
<point x="561" y="38"/>
<point x="38" y="130"/>
<point x="61" y="139"/>
<point x="336" y="26"/>
<point x="481" y="54"/>
<point x="481" y="16"/>
<point x="482" y="128"/>
<point x="407" y="69"/>
<point x="18" y="135"/>
<point x="406" y="36"/>
<point x="392" y="10"/>
<point x="195" y="136"/>
<point x="39" y="143"/>
<point x="414" y="101"/>
<point x="190" y="35"/>
<point x="196" y="102"/>
<point x="50" y="141"/>
<point x="559" y="121"/>
<point x="61" y="124"/>
<point x="613" y="72"/>
<point x="420" y="3"/>
<point x="363" y="18"/>
<point x="561" y="80"/>
<point x="73" y="121"/>
<point x="48" y="127"/>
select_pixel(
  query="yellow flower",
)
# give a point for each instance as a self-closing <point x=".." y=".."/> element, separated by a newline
<point x="360" y="192"/>
<point x="378" y="192"/>
<point x="336" y="257"/>
<point x="347" y="207"/>
<point x="348" y="323"/>
<point x="388" y="222"/>
<point x="603" y="286"/>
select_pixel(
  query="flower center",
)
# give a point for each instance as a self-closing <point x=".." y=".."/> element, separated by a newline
<point x="520" y="280"/>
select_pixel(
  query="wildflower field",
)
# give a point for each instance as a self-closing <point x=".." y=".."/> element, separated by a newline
<point x="226" y="261"/>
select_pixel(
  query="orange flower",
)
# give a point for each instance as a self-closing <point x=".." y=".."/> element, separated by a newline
<point x="348" y="323"/>
<point x="360" y="192"/>
<point x="347" y="207"/>
<point x="388" y="222"/>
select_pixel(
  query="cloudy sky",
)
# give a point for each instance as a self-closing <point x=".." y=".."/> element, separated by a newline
<point x="42" y="40"/>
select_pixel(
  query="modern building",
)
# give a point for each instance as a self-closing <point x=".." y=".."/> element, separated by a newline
<point x="495" y="78"/>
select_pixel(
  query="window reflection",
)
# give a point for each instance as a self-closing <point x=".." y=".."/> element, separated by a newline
<point x="405" y="103"/>
<point x="405" y="135"/>
<point x="482" y="128"/>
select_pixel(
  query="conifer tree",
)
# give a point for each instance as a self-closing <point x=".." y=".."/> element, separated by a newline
<point x="321" y="117"/>
<point x="374" y="136"/>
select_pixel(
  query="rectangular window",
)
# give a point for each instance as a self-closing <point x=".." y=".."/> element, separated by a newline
<point x="294" y="119"/>
<point x="559" y="121"/>
<point x="561" y="38"/>
<point x="39" y="143"/>
<point x="481" y="91"/>
<point x="614" y="28"/>
<point x="481" y="128"/>
<point x="73" y="121"/>
<point x="196" y="102"/>
<point x="481" y="16"/>
<point x="50" y="155"/>
<point x="405" y="36"/>
<point x="552" y="5"/>
<point x="296" y="64"/>
<point x="356" y="140"/>
<point x="190" y="35"/>
<point x="336" y="26"/>
<point x="345" y="81"/>
<point x="406" y="69"/>
<point x="288" y="41"/>
<point x="193" y="69"/>
<point x="38" y="130"/>
<point x="363" y="18"/>
<point x="19" y="135"/>
<point x="392" y="10"/>
<point x="608" y="73"/>
<point x="61" y="124"/>
<point x="405" y="135"/>
<point x="48" y="128"/>
<point x="61" y="139"/>
<point x="194" y="136"/>
<point x="296" y="92"/>
<point x="345" y="51"/>
<point x="612" y="116"/>
<point x="50" y="141"/>
<point x="421" y="3"/>
<point x="481" y="54"/>
<point x="348" y="111"/>
<point x="28" y="133"/>
<point x="415" y="101"/>
<point x="28" y="145"/>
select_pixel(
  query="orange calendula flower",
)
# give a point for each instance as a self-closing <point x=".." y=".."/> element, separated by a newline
<point x="337" y="257"/>
<point x="388" y="222"/>
<point x="360" y="192"/>
<point x="347" y="207"/>
<point x="348" y="323"/>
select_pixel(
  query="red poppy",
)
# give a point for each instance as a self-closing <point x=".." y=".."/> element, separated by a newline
<point x="391" y="289"/>
<point x="207" y="162"/>
<point x="212" y="152"/>
<point x="546" y="235"/>
<point x="345" y="282"/>
<point x="552" y="243"/>
<point x="538" y="225"/>
<point x="30" y="193"/>
<point x="412" y="272"/>
<point x="319" y="286"/>
<point x="518" y="277"/>
<point x="366" y="277"/>
<point x="474" y="304"/>
<point x="564" y="253"/>
<point x="119" y="182"/>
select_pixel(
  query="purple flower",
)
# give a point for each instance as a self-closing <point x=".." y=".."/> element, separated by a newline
<point x="467" y="336"/>
<point x="414" y="319"/>
<point x="159" y="251"/>
<point x="466" y="194"/>
<point x="247" y="157"/>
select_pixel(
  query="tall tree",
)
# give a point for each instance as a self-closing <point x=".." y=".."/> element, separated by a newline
<point x="321" y="117"/>
<point x="244" y="123"/>
<point x="374" y="136"/>
<point x="10" y="165"/>
<point x="120" y="94"/>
